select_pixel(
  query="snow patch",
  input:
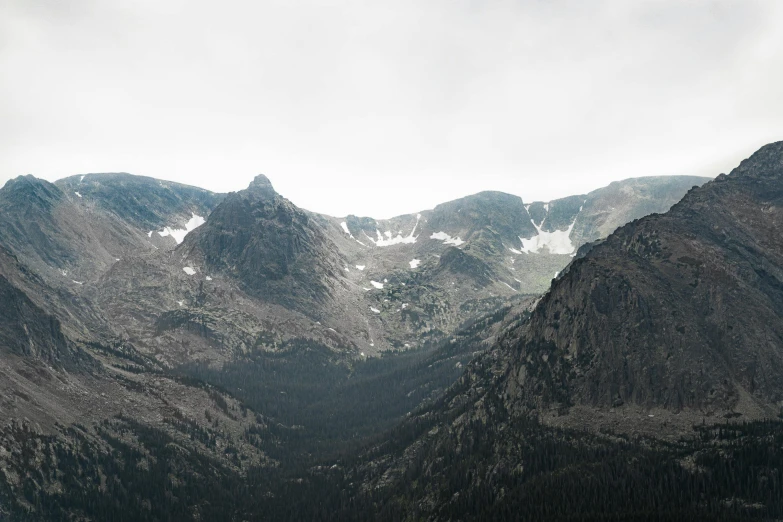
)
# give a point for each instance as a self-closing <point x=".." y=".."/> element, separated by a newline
<point x="149" y="234"/>
<point x="377" y="285"/>
<point x="189" y="270"/>
<point x="209" y="278"/>
<point x="360" y="267"/>
<point x="78" y="194"/>
<point x="399" y="239"/>
<point x="447" y="239"/>
<point x="374" y="310"/>
<point x="414" y="263"/>
<point x="508" y="285"/>
<point x="181" y="303"/>
<point x="81" y="179"/>
<point x="557" y="242"/>
<point x="179" y="233"/>
<point x="77" y="282"/>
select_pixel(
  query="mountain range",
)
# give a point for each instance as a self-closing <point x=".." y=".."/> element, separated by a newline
<point x="171" y="353"/>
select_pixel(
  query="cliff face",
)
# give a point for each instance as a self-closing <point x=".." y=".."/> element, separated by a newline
<point x="274" y="248"/>
<point x="678" y="312"/>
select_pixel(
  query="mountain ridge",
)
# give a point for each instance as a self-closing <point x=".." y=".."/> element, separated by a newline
<point x="674" y="289"/>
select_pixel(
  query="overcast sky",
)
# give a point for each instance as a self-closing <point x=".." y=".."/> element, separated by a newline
<point x="382" y="108"/>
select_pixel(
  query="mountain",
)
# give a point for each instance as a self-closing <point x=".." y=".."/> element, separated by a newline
<point x="298" y="274"/>
<point x="644" y="385"/>
<point x="81" y="233"/>
<point x="673" y="318"/>
<point x="146" y="203"/>
<point x="277" y="251"/>
<point x="153" y="330"/>
<point x="526" y="244"/>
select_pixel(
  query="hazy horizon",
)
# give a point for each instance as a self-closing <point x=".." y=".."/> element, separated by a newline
<point x="384" y="109"/>
<point x="526" y="201"/>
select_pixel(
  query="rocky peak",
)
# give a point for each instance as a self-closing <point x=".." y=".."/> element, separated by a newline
<point x="767" y="162"/>
<point x="271" y="246"/>
<point x="261" y="187"/>
<point x="29" y="190"/>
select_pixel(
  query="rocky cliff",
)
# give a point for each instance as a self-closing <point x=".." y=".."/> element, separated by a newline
<point x="673" y="318"/>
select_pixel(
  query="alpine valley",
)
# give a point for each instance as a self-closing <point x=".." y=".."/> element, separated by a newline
<point x="168" y="353"/>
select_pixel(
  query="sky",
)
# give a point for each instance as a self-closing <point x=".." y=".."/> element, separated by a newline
<point x="382" y="108"/>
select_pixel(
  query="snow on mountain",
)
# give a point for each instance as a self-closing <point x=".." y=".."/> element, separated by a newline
<point x="179" y="233"/>
<point x="557" y="242"/>
<point x="447" y="239"/>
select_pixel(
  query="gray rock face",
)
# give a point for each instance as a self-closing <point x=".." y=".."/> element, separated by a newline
<point x="277" y="252"/>
<point x="27" y="330"/>
<point x="677" y="312"/>
<point x="501" y="213"/>
<point x="28" y="221"/>
<point x="145" y="203"/>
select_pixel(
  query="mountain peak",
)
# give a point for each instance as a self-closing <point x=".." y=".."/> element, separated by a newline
<point x="767" y="162"/>
<point x="261" y="185"/>
<point x="29" y="189"/>
<point x="19" y="181"/>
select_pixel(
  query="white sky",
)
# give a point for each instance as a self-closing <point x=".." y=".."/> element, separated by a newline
<point x="382" y="108"/>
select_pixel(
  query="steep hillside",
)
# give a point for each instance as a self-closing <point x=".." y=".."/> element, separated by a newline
<point x="275" y="250"/>
<point x="73" y="231"/>
<point x="163" y="209"/>
<point x="673" y="318"/>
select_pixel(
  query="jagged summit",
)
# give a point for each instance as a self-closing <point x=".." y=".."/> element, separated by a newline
<point x="269" y="244"/>
<point x="261" y="186"/>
